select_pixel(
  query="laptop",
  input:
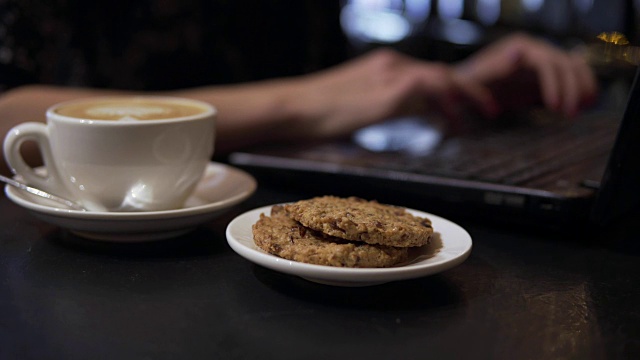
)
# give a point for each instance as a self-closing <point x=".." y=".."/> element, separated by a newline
<point x="529" y="168"/>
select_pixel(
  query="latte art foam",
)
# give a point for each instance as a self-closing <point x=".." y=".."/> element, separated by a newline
<point x="138" y="112"/>
<point x="129" y="109"/>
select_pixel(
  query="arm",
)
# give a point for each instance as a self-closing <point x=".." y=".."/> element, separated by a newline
<point x="322" y="105"/>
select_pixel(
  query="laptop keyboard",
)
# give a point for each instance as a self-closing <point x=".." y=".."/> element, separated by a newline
<point x="512" y="156"/>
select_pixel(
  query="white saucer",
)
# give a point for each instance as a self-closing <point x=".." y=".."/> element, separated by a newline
<point x="450" y="246"/>
<point x="221" y="187"/>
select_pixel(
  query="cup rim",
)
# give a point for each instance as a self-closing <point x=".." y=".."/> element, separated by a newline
<point x="210" y="110"/>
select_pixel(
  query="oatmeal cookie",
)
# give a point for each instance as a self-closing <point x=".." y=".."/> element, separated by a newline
<point x="284" y="237"/>
<point x="356" y="219"/>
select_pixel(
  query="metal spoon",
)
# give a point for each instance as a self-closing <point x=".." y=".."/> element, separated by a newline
<point x="71" y="204"/>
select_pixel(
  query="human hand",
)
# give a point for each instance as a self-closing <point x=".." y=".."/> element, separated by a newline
<point x="522" y="71"/>
<point x="381" y="85"/>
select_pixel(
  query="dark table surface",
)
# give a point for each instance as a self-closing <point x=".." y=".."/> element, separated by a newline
<point x="523" y="293"/>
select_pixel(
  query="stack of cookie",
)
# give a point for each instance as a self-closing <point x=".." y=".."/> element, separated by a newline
<point x="344" y="232"/>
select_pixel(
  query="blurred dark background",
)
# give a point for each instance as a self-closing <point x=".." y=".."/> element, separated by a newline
<point x="448" y="29"/>
<point x="167" y="44"/>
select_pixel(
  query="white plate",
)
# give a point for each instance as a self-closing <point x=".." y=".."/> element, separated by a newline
<point x="449" y="247"/>
<point x="221" y="187"/>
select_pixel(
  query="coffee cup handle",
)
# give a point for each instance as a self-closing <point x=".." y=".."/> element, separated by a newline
<point x="38" y="133"/>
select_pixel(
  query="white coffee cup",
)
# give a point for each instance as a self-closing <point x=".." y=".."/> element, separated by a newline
<point x="142" y="153"/>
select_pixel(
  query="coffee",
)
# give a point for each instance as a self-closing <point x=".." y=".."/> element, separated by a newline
<point x="127" y="165"/>
<point x="130" y="109"/>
